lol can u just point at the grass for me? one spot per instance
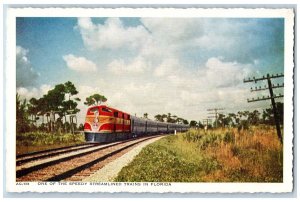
(36, 141)
(223, 155)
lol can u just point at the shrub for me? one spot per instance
(43, 138)
(228, 137)
(235, 150)
(221, 155)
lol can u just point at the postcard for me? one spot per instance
(149, 100)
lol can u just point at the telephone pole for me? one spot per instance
(271, 97)
(215, 112)
(206, 121)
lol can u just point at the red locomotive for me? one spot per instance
(105, 124)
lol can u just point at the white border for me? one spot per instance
(10, 100)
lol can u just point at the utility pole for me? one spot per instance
(215, 112)
(206, 122)
(271, 97)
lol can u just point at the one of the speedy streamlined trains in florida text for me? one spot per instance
(106, 124)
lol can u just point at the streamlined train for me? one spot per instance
(106, 124)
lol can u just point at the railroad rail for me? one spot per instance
(49, 153)
(79, 163)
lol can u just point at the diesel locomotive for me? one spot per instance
(106, 124)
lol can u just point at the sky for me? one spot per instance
(181, 66)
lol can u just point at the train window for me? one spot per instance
(93, 110)
(106, 109)
(115, 114)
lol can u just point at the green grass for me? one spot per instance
(36, 141)
(224, 155)
(167, 161)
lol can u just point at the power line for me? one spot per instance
(271, 97)
(215, 112)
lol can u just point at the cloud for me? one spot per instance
(136, 66)
(79, 64)
(111, 35)
(167, 67)
(174, 30)
(162, 65)
(153, 67)
(30, 92)
(171, 87)
(26, 75)
(168, 88)
(232, 73)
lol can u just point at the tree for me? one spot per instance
(185, 121)
(58, 101)
(95, 99)
(170, 118)
(221, 120)
(33, 108)
(146, 115)
(268, 116)
(193, 123)
(231, 119)
(158, 117)
(179, 120)
(22, 122)
(164, 117)
(55, 103)
(200, 125)
(70, 90)
(175, 119)
(253, 117)
(81, 127)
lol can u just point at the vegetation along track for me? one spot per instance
(65, 167)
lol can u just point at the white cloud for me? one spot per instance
(168, 87)
(225, 74)
(80, 64)
(173, 30)
(27, 93)
(148, 70)
(26, 75)
(168, 67)
(211, 41)
(111, 35)
(175, 89)
(86, 24)
(136, 66)
(30, 92)
(45, 88)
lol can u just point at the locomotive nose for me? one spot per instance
(87, 127)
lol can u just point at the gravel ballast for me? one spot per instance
(111, 170)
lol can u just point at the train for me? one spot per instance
(105, 124)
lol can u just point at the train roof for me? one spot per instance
(135, 117)
(110, 108)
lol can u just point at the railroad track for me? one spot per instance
(74, 165)
(24, 158)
